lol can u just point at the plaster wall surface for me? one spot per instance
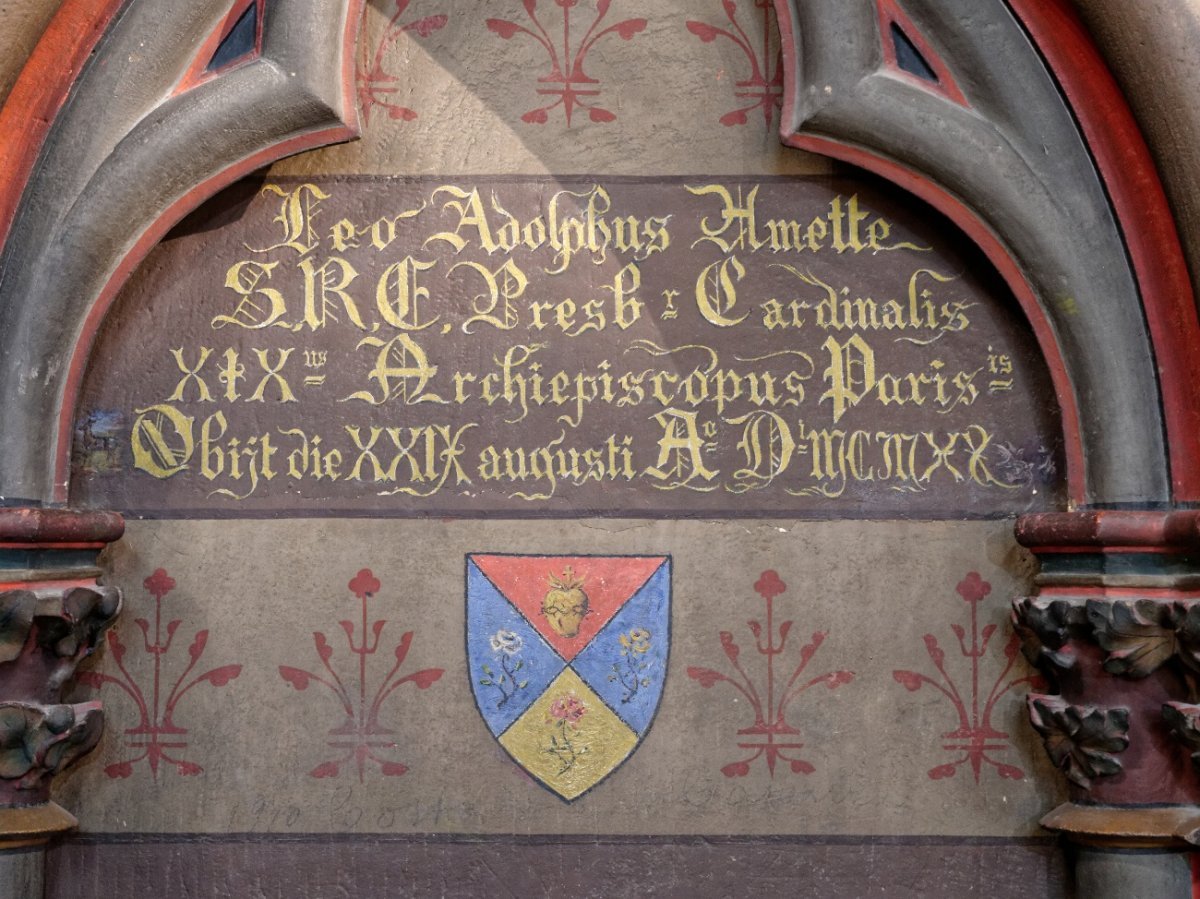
(871, 596)
(21, 24)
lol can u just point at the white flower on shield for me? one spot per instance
(507, 642)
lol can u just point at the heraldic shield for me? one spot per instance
(567, 657)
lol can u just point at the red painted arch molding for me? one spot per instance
(975, 228)
(1144, 216)
(41, 90)
(1139, 205)
(1112, 135)
(40, 93)
(157, 230)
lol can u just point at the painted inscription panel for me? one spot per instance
(566, 346)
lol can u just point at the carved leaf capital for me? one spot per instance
(1046, 627)
(1138, 634)
(65, 624)
(1183, 721)
(1082, 741)
(72, 629)
(38, 741)
(16, 620)
(1188, 634)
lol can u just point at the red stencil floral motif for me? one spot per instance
(770, 736)
(156, 734)
(361, 736)
(764, 86)
(566, 80)
(975, 737)
(375, 83)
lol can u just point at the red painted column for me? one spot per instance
(52, 615)
(1115, 628)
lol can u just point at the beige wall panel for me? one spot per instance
(466, 89)
(262, 590)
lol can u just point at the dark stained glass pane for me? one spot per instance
(239, 42)
(909, 58)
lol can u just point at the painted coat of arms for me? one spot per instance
(567, 657)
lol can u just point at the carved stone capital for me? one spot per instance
(1047, 627)
(1137, 634)
(1082, 741)
(1183, 720)
(45, 633)
(1115, 628)
(38, 741)
(52, 616)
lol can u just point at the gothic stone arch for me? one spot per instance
(1002, 116)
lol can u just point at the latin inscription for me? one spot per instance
(582, 346)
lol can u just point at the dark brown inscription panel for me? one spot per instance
(574, 346)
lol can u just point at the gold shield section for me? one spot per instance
(569, 739)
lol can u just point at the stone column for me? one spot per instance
(1115, 628)
(52, 613)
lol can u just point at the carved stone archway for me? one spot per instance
(1013, 128)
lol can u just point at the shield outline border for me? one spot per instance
(668, 559)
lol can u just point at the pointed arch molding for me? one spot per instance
(1045, 169)
(125, 157)
(1039, 161)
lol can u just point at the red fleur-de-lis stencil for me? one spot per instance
(361, 736)
(157, 738)
(566, 82)
(771, 736)
(376, 85)
(975, 739)
(762, 89)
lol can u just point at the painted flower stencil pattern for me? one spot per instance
(566, 81)
(157, 739)
(362, 736)
(376, 85)
(976, 740)
(772, 736)
(762, 88)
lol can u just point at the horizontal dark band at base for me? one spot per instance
(318, 865)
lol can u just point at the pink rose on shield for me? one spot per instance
(569, 709)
